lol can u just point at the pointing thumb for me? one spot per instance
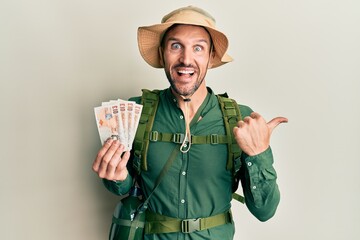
(273, 123)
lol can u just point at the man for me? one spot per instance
(198, 185)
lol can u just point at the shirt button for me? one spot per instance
(249, 164)
(183, 173)
(182, 201)
(254, 187)
(181, 117)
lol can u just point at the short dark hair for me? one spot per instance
(162, 38)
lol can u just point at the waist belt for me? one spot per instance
(156, 223)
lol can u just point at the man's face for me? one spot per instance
(186, 56)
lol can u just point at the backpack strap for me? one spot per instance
(231, 115)
(150, 101)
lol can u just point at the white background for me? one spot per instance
(60, 59)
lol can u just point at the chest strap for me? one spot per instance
(155, 136)
(156, 223)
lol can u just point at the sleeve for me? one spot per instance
(119, 187)
(258, 180)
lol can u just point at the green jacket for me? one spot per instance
(198, 184)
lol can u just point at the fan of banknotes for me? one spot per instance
(118, 119)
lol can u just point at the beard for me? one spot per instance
(186, 91)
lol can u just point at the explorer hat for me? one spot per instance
(150, 37)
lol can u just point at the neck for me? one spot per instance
(195, 100)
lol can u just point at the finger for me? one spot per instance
(240, 123)
(121, 170)
(275, 122)
(124, 160)
(255, 115)
(101, 154)
(247, 119)
(110, 155)
(114, 162)
(236, 131)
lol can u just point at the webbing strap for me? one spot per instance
(231, 115)
(127, 222)
(136, 224)
(156, 223)
(149, 100)
(238, 197)
(155, 136)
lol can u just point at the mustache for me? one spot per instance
(184, 65)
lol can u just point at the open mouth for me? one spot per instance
(185, 72)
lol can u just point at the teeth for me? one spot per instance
(186, 72)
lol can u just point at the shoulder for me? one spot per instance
(245, 110)
(136, 99)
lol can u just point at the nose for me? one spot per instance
(186, 56)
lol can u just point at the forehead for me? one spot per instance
(187, 32)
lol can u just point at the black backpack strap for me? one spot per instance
(150, 101)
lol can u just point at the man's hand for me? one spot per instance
(111, 160)
(252, 134)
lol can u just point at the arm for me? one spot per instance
(258, 180)
(111, 165)
(257, 174)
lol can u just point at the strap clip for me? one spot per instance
(190, 225)
(154, 136)
(178, 137)
(214, 139)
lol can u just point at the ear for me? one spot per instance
(161, 57)
(211, 58)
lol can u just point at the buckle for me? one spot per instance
(154, 136)
(178, 137)
(232, 119)
(214, 139)
(190, 225)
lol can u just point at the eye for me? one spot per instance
(198, 49)
(175, 46)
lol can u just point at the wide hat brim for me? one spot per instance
(149, 38)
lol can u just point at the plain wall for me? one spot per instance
(60, 59)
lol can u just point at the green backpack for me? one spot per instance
(231, 114)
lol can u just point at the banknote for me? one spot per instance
(107, 120)
(137, 114)
(118, 119)
(124, 123)
(130, 118)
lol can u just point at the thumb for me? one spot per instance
(273, 123)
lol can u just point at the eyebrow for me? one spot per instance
(174, 39)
